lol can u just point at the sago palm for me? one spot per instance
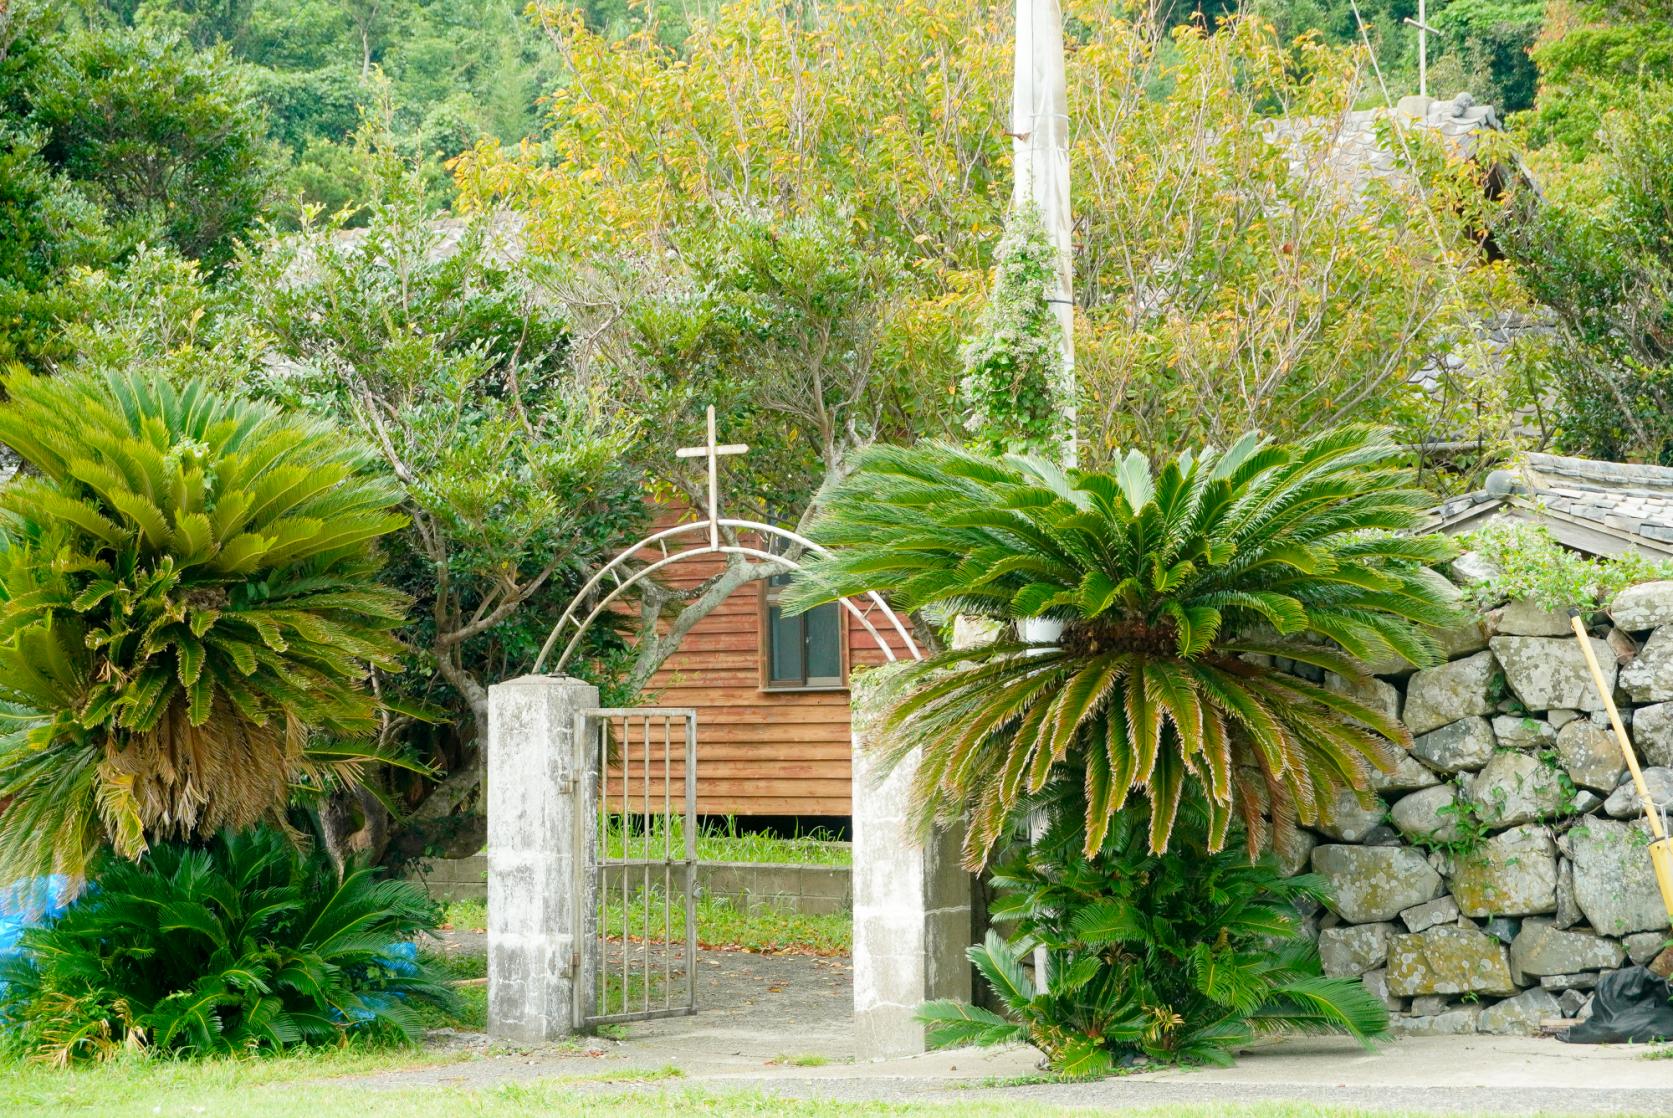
(1183, 958)
(1175, 587)
(188, 609)
(237, 946)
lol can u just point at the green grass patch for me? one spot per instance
(465, 916)
(720, 924)
(807, 1060)
(466, 973)
(723, 926)
(723, 841)
(329, 1085)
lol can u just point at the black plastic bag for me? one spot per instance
(1631, 1006)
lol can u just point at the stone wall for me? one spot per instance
(1504, 866)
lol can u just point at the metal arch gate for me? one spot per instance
(643, 958)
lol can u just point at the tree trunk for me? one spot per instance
(353, 826)
(463, 780)
(655, 648)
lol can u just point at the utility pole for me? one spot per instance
(1040, 159)
(1040, 170)
(1423, 30)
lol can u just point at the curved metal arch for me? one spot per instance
(714, 547)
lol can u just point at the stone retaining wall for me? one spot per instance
(1503, 867)
(816, 890)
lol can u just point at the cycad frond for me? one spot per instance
(227, 948)
(1175, 584)
(188, 594)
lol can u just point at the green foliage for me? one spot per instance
(437, 74)
(188, 596)
(1013, 366)
(1183, 958)
(1596, 56)
(440, 346)
(1223, 289)
(1488, 42)
(110, 140)
(1482, 50)
(788, 326)
(1469, 830)
(1217, 290)
(1598, 250)
(1530, 565)
(241, 946)
(47, 228)
(1172, 583)
(166, 138)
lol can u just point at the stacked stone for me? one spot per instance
(1515, 770)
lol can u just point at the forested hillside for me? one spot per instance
(301, 85)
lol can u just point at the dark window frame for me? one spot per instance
(770, 591)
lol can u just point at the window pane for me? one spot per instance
(824, 643)
(784, 641)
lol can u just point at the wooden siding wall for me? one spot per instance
(759, 752)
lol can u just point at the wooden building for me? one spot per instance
(771, 695)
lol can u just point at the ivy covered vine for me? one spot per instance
(1014, 361)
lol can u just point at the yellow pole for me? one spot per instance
(1661, 849)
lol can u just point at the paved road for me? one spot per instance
(764, 1014)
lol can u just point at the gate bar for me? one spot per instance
(603, 720)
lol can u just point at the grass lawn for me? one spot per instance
(764, 928)
(721, 925)
(324, 1085)
(722, 841)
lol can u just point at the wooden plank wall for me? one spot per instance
(759, 752)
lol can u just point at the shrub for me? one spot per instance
(1174, 586)
(1529, 564)
(245, 945)
(188, 605)
(1013, 367)
(1182, 958)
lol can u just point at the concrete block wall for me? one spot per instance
(453, 879)
(815, 890)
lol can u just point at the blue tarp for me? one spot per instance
(29, 903)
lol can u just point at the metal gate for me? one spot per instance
(644, 941)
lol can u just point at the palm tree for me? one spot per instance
(188, 609)
(1176, 587)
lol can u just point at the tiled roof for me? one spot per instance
(1351, 148)
(1604, 508)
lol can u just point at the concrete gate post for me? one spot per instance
(540, 848)
(912, 902)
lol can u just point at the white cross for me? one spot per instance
(712, 451)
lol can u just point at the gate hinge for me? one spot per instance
(569, 957)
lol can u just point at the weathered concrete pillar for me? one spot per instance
(540, 842)
(912, 901)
